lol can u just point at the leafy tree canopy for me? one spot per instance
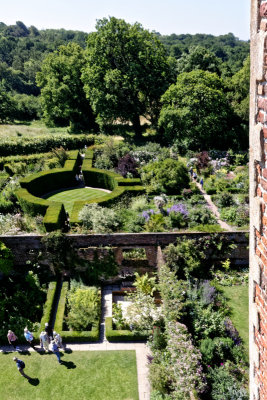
(196, 113)
(62, 95)
(126, 72)
(199, 58)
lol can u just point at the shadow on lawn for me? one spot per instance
(34, 381)
(68, 364)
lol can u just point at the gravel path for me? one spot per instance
(214, 209)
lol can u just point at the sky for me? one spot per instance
(216, 17)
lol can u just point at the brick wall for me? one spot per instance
(258, 201)
(26, 247)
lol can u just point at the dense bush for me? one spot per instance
(169, 176)
(98, 219)
(83, 304)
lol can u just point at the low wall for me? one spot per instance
(25, 247)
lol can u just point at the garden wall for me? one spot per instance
(27, 246)
(258, 201)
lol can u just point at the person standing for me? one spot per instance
(44, 341)
(49, 331)
(21, 366)
(58, 339)
(201, 183)
(29, 337)
(12, 340)
(55, 350)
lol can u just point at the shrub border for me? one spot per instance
(47, 309)
(121, 335)
(72, 336)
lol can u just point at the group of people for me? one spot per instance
(48, 337)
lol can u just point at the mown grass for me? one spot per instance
(68, 197)
(92, 375)
(237, 299)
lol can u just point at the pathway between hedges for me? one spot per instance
(214, 209)
(140, 348)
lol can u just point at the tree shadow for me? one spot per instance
(24, 352)
(68, 364)
(34, 381)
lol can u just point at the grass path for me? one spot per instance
(96, 375)
(68, 197)
(237, 299)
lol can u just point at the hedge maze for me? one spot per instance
(36, 186)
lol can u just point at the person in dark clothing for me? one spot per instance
(49, 331)
(21, 366)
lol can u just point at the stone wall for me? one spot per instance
(258, 201)
(26, 247)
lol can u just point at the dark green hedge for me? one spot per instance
(125, 335)
(55, 217)
(30, 204)
(128, 182)
(45, 143)
(99, 178)
(27, 159)
(48, 181)
(9, 169)
(72, 336)
(48, 308)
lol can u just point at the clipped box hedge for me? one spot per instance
(55, 217)
(99, 178)
(121, 335)
(45, 143)
(48, 181)
(48, 309)
(30, 204)
(72, 336)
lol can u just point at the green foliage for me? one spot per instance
(98, 219)
(6, 259)
(169, 176)
(156, 223)
(195, 113)
(7, 106)
(172, 292)
(55, 217)
(217, 350)
(44, 143)
(144, 283)
(47, 308)
(226, 385)
(83, 308)
(199, 58)
(123, 62)
(62, 94)
(115, 335)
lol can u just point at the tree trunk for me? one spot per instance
(137, 127)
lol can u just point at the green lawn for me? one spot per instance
(68, 197)
(91, 375)
(237, 299)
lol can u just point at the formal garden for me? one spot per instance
(90, 147)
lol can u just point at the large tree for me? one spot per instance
(126, 73)
(62, 94)
(199, 58)
(196, 113)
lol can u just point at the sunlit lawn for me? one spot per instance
(91, 375)
(237, 299)
(68, 197)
